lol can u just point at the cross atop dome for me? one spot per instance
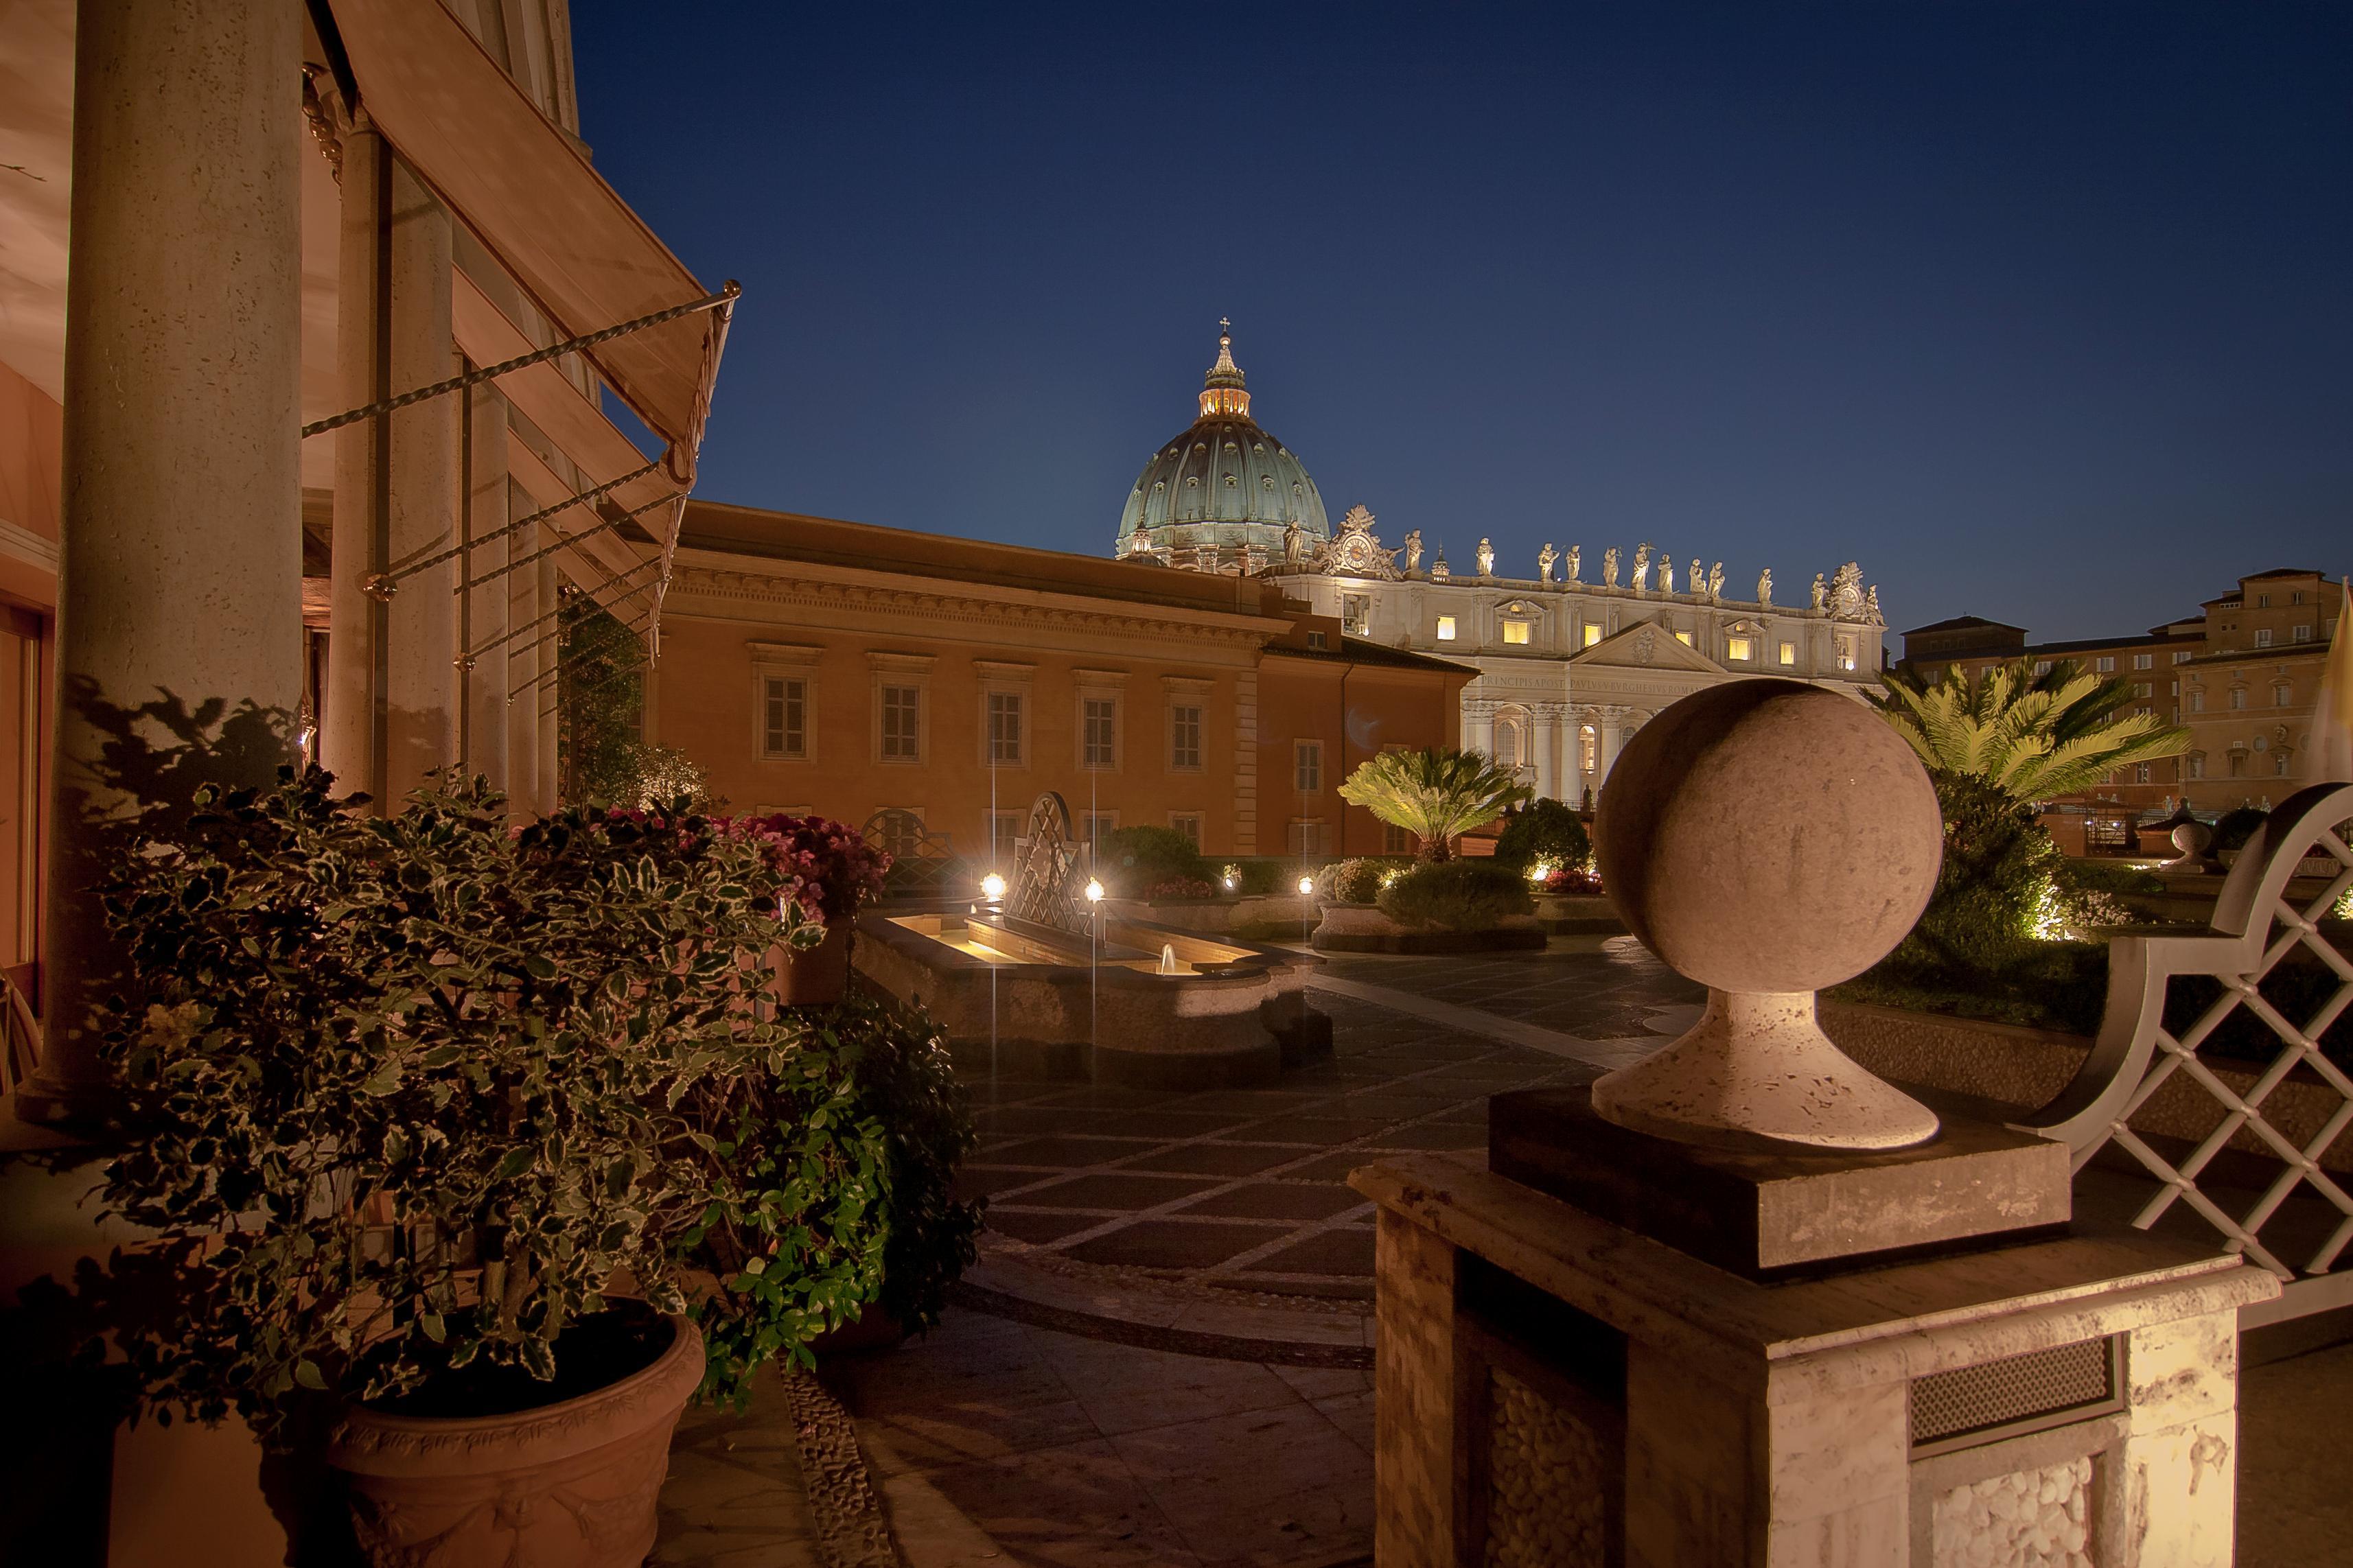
(1221, 389)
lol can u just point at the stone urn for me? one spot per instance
(570, 1485)
(817, 977)
(1767, 838)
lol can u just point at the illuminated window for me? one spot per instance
(1005, 728)
(1739, 648)
(1846, 653)
(783, 719)
(1307, 766)
(1355, 615)
(1588, 748)
(1515, 631)
(1788, 653)
(1684, 638)
(1098, 732)
(1592, 633)
(1446, 628)
(2042, 666)
(902, 711)
(1185, 737)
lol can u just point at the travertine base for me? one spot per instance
(1772, 1425)
(1757, 1065)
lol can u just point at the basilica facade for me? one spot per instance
(1575, 652)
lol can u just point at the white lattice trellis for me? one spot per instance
(1047, 880)
(2255, 926)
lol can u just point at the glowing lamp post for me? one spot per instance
(1306, 892)
(1094, 924)
(992, 889)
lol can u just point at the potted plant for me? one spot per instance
(1436, 793)
(409, 1112)
(827, 868)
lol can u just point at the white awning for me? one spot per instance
(527, 190)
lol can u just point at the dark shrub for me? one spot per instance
(1544, 830)
(1357, 881)
(1131, 860)
(1457, 895)
(2233, 828)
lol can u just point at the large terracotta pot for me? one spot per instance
(564, 1486)
(819, 977)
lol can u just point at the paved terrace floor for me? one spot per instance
(1245, 1188)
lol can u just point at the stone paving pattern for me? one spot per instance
(1246, 1188)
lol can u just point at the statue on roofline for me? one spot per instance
(1642, 567)
(1609, 567)
(1486, 559)
(1546, 558)
(1576, 565)
(1765, 586)
(1413, 550)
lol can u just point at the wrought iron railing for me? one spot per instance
(2257, 927)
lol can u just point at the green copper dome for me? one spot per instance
(1225, 483)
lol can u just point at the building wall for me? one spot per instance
(2249, 699)
(1349, 712)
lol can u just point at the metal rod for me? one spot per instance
(542, 620)
(602, 682)
(566, 658)
(523, 362)
(574, 539)
(542, 515)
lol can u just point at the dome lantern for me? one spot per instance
(1222, 390)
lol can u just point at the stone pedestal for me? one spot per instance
(1558, 1389)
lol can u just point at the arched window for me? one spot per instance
(1507, 742)
(1588, 748)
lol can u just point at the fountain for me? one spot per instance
(1042, 983)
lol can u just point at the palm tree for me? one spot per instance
(2029, 736)
(1434, 794)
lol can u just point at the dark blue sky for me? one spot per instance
(2041, 312)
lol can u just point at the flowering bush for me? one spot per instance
(1572, 880)
(1180, 887)
(825, 867)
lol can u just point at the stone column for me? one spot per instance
(180, 560)
(524, 764)
(391, 713)
(1478, 725)
(1544, 729)
(484, 609)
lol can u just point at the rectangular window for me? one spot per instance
(1185, 737)
(2262, 601)
(2296, 597)
(1593, 633)
(2300, 634)
(1307, 835)
(2238, 697)
(1846, 653)
(1684, 638)
(1738, 648)
(1318, 640)
(1446, 628)
(1188, 822)
(2042, 666)
(2140, 773)
(1003, 834)
(1307, 766)
(2183, 657)
(1515, 631)
(1099, 723)
(2141, 689)
(1788, 653)
(1093, 825)
(2105, 664)
(2196, 765)
(2144, 661)
(1396, 840)
(2282, 696)
(784, 718)
(1005, 728)
(2263, 636)
(902, 724)
(1355, 615)
(2279, 764)
(2198, 702)
(1588, 748)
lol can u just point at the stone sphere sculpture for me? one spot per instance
(1767, 838)
(2191, 842)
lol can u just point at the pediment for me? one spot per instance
(1645, 645)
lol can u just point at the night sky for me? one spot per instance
(2041, 312)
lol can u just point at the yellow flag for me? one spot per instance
(2328, 751)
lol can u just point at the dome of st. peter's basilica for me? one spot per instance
(1225, 484)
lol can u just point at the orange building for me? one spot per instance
(815, 665)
